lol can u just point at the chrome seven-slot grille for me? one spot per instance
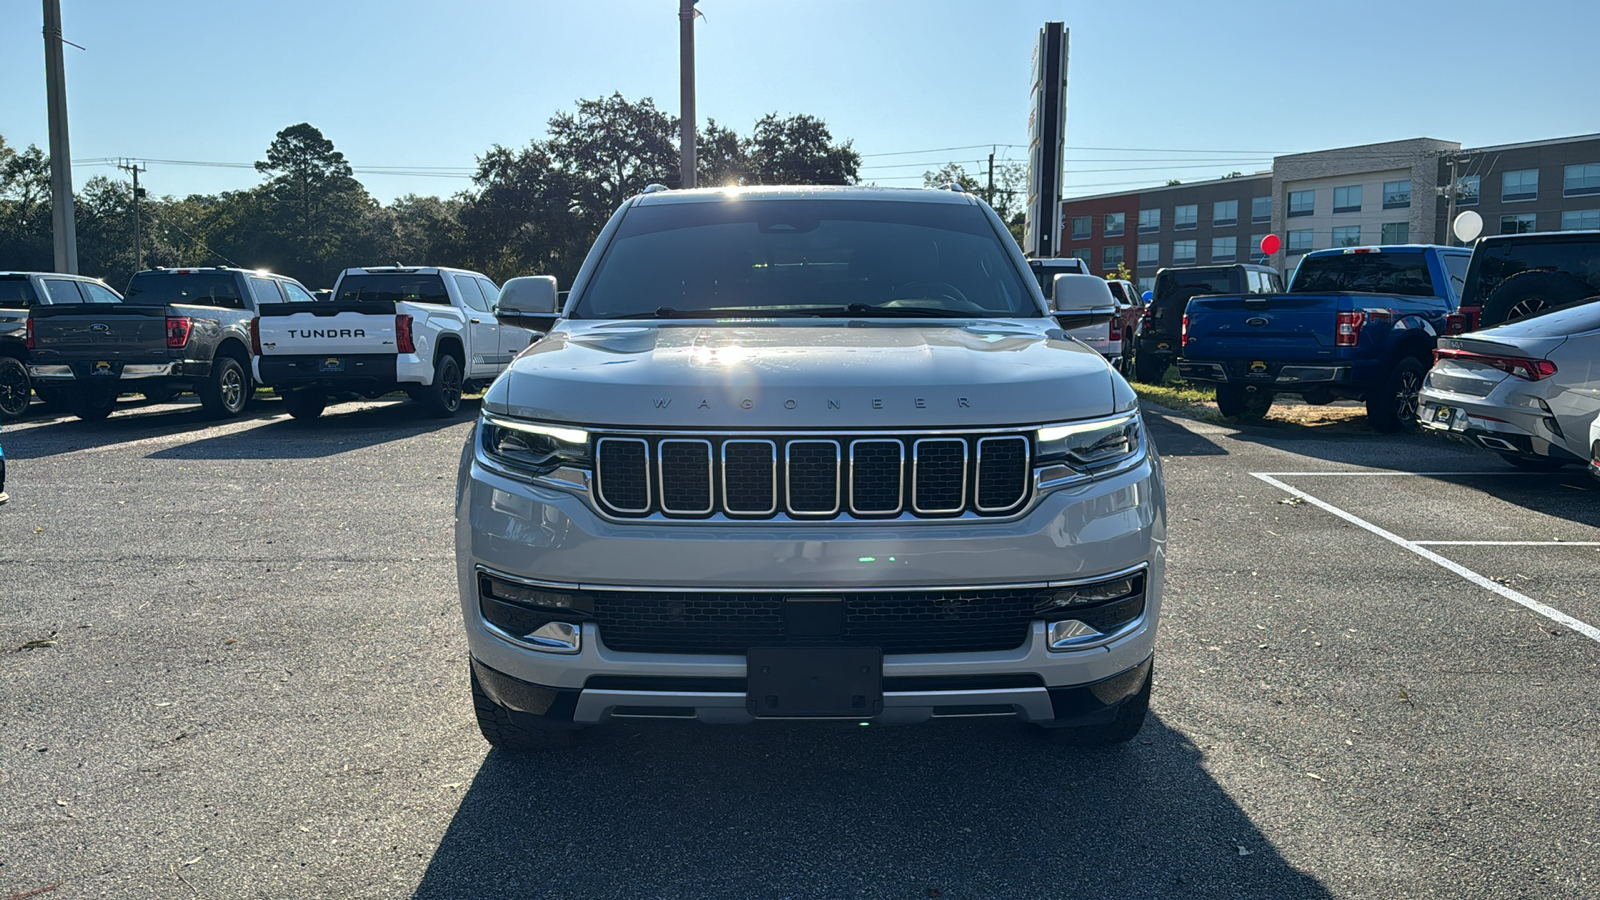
(812, 476)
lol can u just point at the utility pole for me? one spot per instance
(63, 220)
(990, 198)
(686, 118)
(129, 165)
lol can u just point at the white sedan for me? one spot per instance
(1528, 390)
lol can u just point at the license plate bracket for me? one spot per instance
(814, 682)
(331, 364)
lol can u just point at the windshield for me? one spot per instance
(1401, 274)
(803, 257)
(195, 288)
(393, 288)
(1192, 282)
(1573, 264)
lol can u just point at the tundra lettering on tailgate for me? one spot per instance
(328, 332)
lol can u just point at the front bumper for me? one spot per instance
(552, 536)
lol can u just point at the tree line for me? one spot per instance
(529, 210)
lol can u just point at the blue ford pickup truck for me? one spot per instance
(1357, 323)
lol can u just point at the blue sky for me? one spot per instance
(410, 83)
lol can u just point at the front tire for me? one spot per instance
(92, 404)
(514, 731)
(1392, 407)
(1239, 402)
(16, 389)
(225, 393)
(442, 398)
(305, 403)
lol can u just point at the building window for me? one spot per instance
(1397, 194)
(1261, 209)
(1081, 227)
(1302, 203)
(1186, 217)
(1147, 283)
(1224, 249)
(1522, 184)
(1519, 224)
(1467, 190)
(1581, 180)
(1183, 252)
(1111, 257)
(1225, 213)
(1347, 236)
(1580, 220)
(1149, 254)
(1300, 241)
(1149, 220)
(1396, 233)
(1347, 199)
(1255, 243)
(1083, 254)
(1114, 224)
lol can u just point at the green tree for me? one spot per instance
(799, 150)
(612, 149)
(952, 173)
(720, 157)
(315, 205)
(26, 236)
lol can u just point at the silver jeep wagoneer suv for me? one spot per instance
(815, 453)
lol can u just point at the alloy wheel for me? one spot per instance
(1525, 308)
(14, 390)
(232, 388)
(1406, 398)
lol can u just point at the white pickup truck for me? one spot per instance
(429, 331)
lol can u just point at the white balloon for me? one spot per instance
(1468, 226)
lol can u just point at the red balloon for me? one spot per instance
(1270, 245)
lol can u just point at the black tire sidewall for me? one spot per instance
(1382, 412)
(1555, 289)
(13, 366)
(212, 396)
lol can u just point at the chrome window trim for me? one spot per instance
(966, 460)
(599, 487)
(788, 477)
(766, 589)
(772, 447)
(1027, 468)
(661, 474)
(900, 483)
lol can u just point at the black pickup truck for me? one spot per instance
(20, 294)
(176, 330)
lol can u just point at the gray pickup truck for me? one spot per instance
(176, 330)
(20, 294)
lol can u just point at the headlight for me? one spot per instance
(1094, 447)
(533, 447)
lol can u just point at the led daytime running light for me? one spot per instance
(566, 435)
(1058, 432)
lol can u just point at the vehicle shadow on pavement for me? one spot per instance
(949, 809)
(339, 430)
(1172, 439)
(47, 433)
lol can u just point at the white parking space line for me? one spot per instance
(1507, 543)
(1495, 474)
(1554, 615)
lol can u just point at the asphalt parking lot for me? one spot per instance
(232, 666)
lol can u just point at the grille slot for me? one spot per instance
(898, 621)
(750, 477)
(875, 473)
(622, 474)
(939, 476)
(813, 482)
(863, 475)
(685, 477)
(1002, 473)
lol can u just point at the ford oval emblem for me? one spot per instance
(1257, 321)
(100, 326)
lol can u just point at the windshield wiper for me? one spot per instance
(911, 312)
(720, 312)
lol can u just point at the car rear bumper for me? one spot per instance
(1285, 376)
(1517, 431)
(114, 372)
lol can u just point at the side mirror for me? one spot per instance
(529, 302)
(1075, 294)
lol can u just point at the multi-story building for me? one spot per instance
(1395, 192)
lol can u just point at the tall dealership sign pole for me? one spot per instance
(686, 92)
(1047, 129)
(62, 217)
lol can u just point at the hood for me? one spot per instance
(859, 374)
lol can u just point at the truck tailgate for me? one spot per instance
(99, 332)
(1275, 326)
(306, 329)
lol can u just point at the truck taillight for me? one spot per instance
(30, 333)
(1116, 325)
(402, 334)
(1455, 323)
(255, 336)
(178, 328)
(1183, 335)
(1347, 331)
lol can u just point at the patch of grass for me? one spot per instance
(1198, 400)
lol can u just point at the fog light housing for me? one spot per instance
(1066, 633)
(533, 616)
(561, 637)
(1089, 614)
(532, 595)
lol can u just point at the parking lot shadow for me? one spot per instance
(1173, 439)
(47, 433)
(950, 809)
(339, 430)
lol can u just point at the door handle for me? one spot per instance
(477, 321)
